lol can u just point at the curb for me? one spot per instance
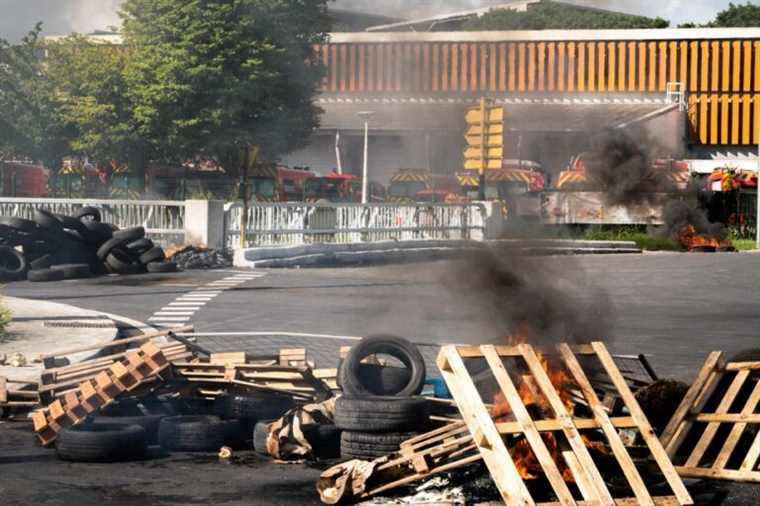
(394, 252)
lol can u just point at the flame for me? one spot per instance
(525, 460)
(690, 240)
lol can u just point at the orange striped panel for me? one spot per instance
(632, 66)
(602, 47)
(551, 66)
(642, 55)
(571, 63)
(592, 67)
(561, 66)
(541, 65)
(663, 66)
(621, 66)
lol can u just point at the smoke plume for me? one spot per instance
(538, 298)
(680, 214)
(620, 165)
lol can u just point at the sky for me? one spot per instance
(83, 16)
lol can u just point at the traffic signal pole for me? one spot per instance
(483, 151)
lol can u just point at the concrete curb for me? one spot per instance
(358, 254)
(29, 335)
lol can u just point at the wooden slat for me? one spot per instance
(571, 432)
(528, 428)
(582, 479)
(647, 433)
(712, 428)
(492, 447)
(725, 474)
(610, 431)
(750, 461)
(737, 430)
(739, 366)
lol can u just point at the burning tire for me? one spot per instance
(380, 414)
(368, 446)
(193, 433)
(352, 380)
(102, 442)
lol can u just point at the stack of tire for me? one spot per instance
(53, 247)
(380, 407)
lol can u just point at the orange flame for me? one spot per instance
(690, 240)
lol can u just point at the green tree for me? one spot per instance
(32, 119)
(548, 15)
(212, 77)
(738, 15)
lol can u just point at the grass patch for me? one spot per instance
(5, 318)
(636, 234)
(745, 244)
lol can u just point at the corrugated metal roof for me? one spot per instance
(558, 114)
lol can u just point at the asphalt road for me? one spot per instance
(675, 308)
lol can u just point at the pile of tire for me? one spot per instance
(380, 407)
(53, 247)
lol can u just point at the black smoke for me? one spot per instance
(679, 214)
(620, 165)
(544, 299)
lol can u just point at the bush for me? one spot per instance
(637, 234)
(5, 319)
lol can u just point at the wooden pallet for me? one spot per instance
(19, 396)
(736, 406)
(259, 378)
(138, 368)
(488, 436)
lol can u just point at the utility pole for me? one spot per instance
(365, 116)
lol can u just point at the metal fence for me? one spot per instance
(164, 221)
(298, 224)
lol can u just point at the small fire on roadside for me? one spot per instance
(539, 407)
(691, 240)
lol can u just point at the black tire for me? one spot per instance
(99, 233)
(324, 441)
(20, 224)
(155, 254)
(119, 260)
(107, 247)
(382, 380)
(74, 271)
(44, 275)
(381, 414)
(156, 267)
(397, 347)
(46, 219)
(43, 262)
(242, 406)
(260, 435)
(12, 262)
(149, 423)
(71, 223)
(140, 246)
(368, 446)
(102, 442)
(193, 433)
(89, 212)
(130, 234)
(195, 406)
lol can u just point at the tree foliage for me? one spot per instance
(738, 15)
(548, 15)
(212, 76)
(89, 79)
(32, 122)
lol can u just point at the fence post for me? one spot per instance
(204, 223)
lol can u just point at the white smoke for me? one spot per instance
(58, 17)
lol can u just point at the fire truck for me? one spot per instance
(517, 185)
(340, 188)
(421, 185)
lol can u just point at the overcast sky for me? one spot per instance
(65, 16)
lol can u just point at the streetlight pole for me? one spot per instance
(365, 116)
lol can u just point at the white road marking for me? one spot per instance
(188, 304)
(169, 318)
(174, 313)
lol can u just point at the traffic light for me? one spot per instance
(485, 137)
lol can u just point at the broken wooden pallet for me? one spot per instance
(138, 367)
(511, 367)
(239, 372)
(713, 454)
(18, 396)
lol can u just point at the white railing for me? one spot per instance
(163, 220)
(297, 224)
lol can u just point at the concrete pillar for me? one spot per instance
(204, 223)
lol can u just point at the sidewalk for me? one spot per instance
(44, 327)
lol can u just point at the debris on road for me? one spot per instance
(198, 257)
(54, 247)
